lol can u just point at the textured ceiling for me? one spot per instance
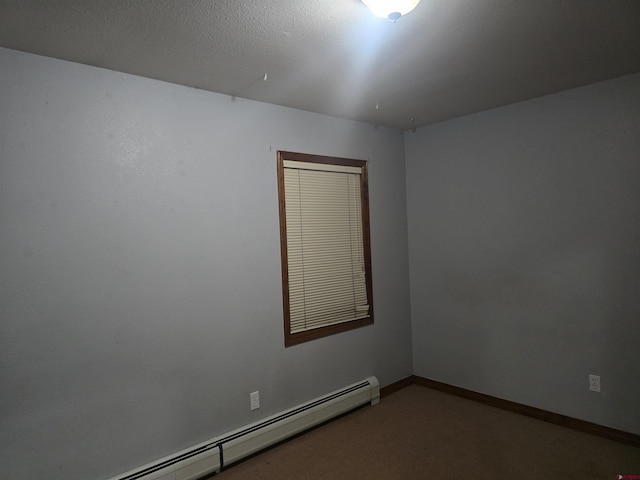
(445, 59)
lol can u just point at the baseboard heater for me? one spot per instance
(213, 455)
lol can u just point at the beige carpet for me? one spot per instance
(419, 433)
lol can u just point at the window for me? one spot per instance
(325, 245)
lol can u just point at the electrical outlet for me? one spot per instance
(594, 383)
(254, 400)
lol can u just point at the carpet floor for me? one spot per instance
(420, 433)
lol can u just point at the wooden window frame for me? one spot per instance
(291, 339)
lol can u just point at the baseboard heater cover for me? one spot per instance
(211, 456)
(189, 464)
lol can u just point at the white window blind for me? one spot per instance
(325, 254)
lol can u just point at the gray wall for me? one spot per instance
(140, 296)
(524, 249)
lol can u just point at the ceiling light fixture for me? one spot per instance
(391, 9)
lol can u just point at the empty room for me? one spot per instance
(319, 239)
